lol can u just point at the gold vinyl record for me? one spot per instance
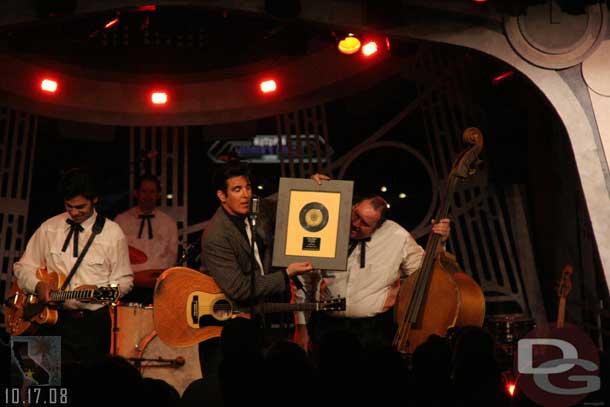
(313, 216)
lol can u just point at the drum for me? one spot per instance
(134, 337)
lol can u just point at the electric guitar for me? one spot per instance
(24, 313)
(189, 307)
(563, 289)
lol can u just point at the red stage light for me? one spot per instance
(510, 388)
(501, 77)
(369, 48)
(111, 23)
(268, 86)
(146, 8)
(48, 85)
(158, 98)
(480, 1)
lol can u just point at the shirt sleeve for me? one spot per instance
(221, 263)
(32, 259)
(412, 256)
(121, 273)
(173, 242)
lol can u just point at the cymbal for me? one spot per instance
(136, 256)
(146, 278)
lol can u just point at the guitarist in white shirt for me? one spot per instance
(85, 328)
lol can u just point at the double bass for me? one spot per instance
(440, 295)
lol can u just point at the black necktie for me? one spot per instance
(75, 229)
(352, 245)
(146, 218)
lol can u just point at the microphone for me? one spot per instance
(254, 208)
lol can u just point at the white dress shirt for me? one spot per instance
(391, 253)
(105, 263)
(162, 250)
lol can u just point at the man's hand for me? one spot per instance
(442, 228)
(319, 178)
(42, 291)
(296, 269)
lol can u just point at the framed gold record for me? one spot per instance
(312, 223)
(313, 216)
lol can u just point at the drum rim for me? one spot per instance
(510, 318)
(135, 305)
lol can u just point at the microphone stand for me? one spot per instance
(253, 271)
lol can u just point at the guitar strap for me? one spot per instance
(95, 230)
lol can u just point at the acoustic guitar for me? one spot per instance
(189, 307)
(563, 289)
(24, 314)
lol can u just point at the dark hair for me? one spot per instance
(230, 169)
(148, 177)
(379, 204)
(77, 181)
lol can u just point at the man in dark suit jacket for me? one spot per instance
(226, 251)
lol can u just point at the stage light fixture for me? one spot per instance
(369, 48)
(159, 98)
(349, 45)
(49, 85)
(268, 86)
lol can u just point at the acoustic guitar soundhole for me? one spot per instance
(222, 310)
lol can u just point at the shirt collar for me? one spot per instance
(138, 211)
(88, 224)
(234, 218)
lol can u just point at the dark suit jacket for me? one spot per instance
(225, 255)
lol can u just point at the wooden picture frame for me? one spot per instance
(313, 223)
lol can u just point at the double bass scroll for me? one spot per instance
(440, 295)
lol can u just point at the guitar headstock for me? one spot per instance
(465, 165)
(565, 282)
(333, 304)
(106, 294)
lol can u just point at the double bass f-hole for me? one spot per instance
(440, 295)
